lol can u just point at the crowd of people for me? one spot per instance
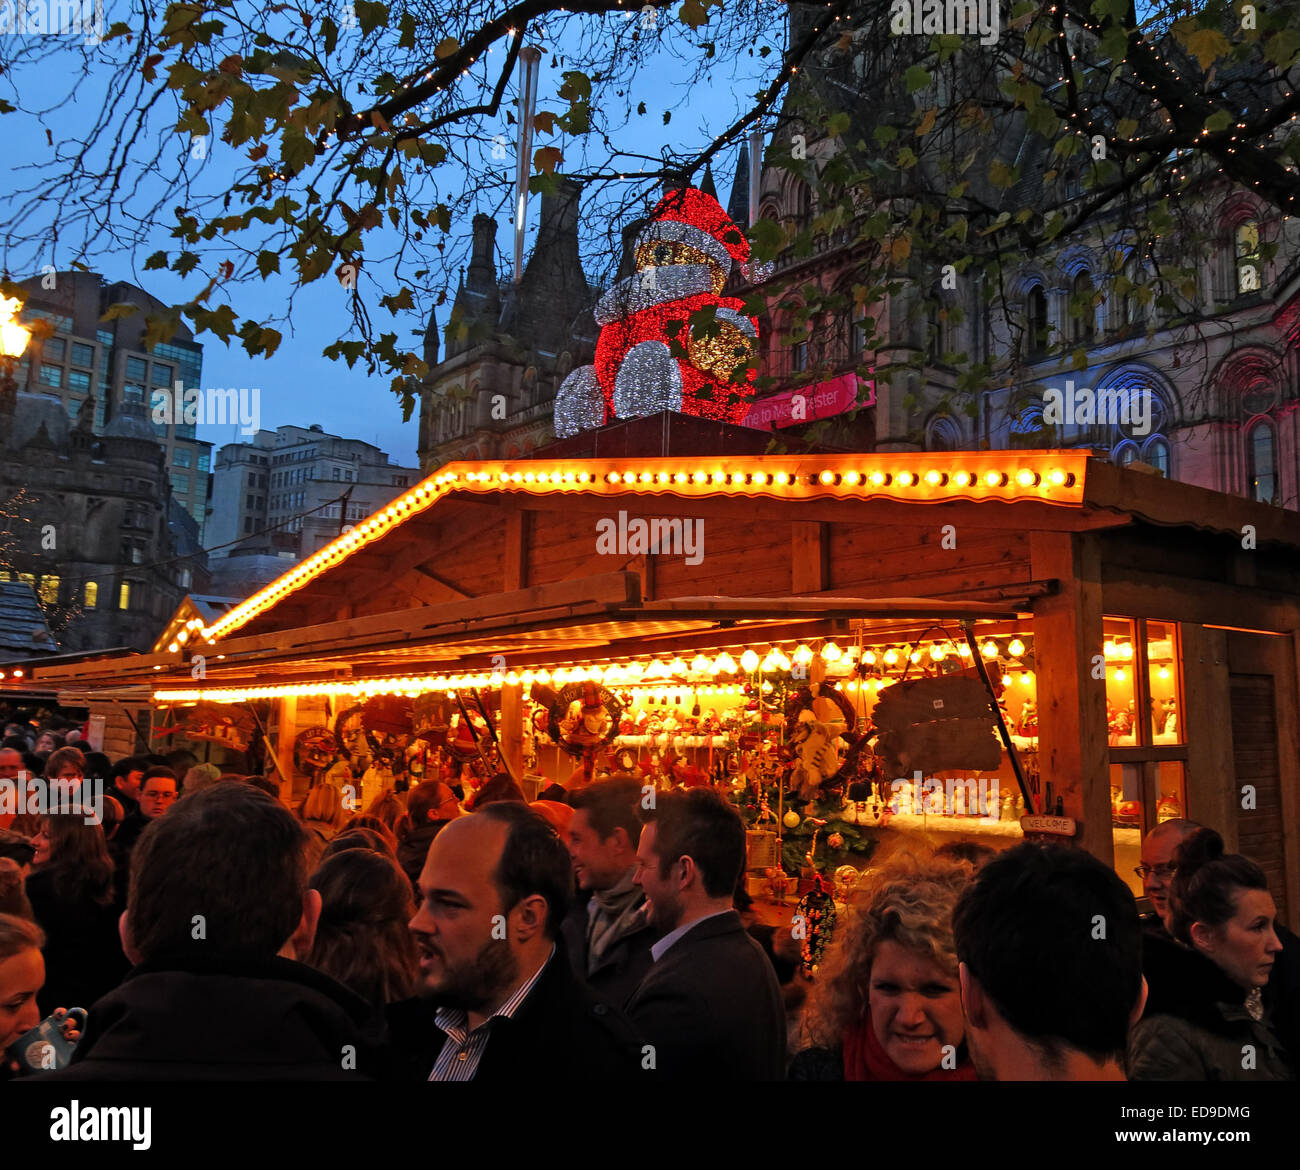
(212, 932)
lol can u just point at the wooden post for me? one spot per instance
(1207, 729)
(286, 729)
(511, 731)
(516, 550)
(1071, 702)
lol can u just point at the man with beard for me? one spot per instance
(710, 1007)
(500, 1001)
(1049, 952)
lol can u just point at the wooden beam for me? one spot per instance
(516, 549)
(425, 588)
(809, 570)
(1071, 702)
(1134, 593)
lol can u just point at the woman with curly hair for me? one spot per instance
(887, 1006)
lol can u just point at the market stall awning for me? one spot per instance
(595, 618)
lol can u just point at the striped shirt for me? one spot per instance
(463, 1049)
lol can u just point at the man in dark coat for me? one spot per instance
(218, 914)
(710, 1007)
(607, 933)
(500, 1002)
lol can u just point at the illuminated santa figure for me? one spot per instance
(683, 257)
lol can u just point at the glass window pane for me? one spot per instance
(83, 355)
(162, 375)
(1126, 821)
(78, 381)
(1171, 790)
(91, 595)
(1120, 664)
(1157, 455)
(124, 596)
(51, 376)
(1263, 465)
(49, 590)
(181, 457)
(1164, 680)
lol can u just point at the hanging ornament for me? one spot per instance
(791, 819)
(817, 911)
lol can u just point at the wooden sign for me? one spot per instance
(1054, 827)
(933, 724)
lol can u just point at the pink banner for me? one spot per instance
(820, 401)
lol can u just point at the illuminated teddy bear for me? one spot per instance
(683, 258)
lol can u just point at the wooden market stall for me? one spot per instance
(1141, 635)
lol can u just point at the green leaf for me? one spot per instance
(447, 47)
(1219, 120)
(916, 78)
(267, 262)
(837, 123)
(1001, 175)
(371, 15)
(407, 25)
(157, 260)
(1205, 44)
(119, 310)
(185, 263)
(576, 87)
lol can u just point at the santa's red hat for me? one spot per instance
(690, 216)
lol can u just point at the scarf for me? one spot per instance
(605, 913)
(866, 1060)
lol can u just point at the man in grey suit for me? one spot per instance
(710, 1006)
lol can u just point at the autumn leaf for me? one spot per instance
(544, 121)
(1205, 44)
(446, 48)
(927, 122)
(547, 159)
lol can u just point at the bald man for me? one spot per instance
(1157, 868)
(499, 1001)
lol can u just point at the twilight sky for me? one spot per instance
(299, 385)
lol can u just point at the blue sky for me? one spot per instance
(298, 385)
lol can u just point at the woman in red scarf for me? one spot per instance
(887, 1005)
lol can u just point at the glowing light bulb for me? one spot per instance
(869, 658)
(1026, 679)
(914, 657)
(749, 660)
(938, 653)
(1126, 650)
(1163, 673)
(989, 650)
(831, 652)
(891, 656)
(802, 654)
(725, 663)
(1017, 648)
(700, 664)
(1006, 680)
(1120, 674)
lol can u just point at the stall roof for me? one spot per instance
(1030, 490)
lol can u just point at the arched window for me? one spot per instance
(1156, 453)
(1082, 309)
(942, 434)
(1036, 321)
(802, 205)
(1125, 454)
(936, 331)
(1249, 268)
(1261, 463)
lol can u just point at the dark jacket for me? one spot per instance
(560, 1035)
(1282, 994)
(216, 1018)
(711, 1007)
(129, 804)
(83, 951)
(626, 959)
(414, 848)
(128, 832)
(1195, 1026)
